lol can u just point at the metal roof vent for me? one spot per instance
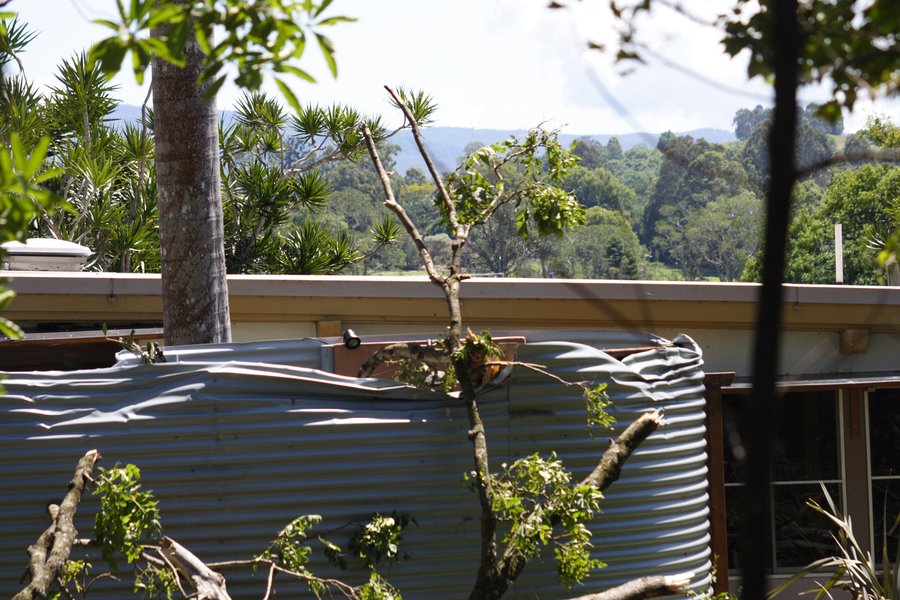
(40, 254)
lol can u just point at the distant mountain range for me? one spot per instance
(446, 144)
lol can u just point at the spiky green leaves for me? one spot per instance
(313, 250)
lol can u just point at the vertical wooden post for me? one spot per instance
(715, 450)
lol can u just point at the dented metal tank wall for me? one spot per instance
(236, 449)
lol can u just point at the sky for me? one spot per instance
(495, 64)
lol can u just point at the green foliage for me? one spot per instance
(312, 250)
(377, 588)
(485, 181)
(477, 348)
(596, 402)
(153, 583)
(883, 131)
(127, 518)
(725, 233)
(422, 374)
(865, 202)
(693, 174)
(75, 573)
(289, 549)
(23, 196)
(14, 37)
(813, 146)
(599, 187)
(376, 540)
(103, 174)
(258, 37)
(7, 327)
(150, 354)
(746, 120)
(419, 103)
(591, 153)
(537, 499)
(268, 177)
(380, 538)
(849, 45)
(495, 249)
(606, 247)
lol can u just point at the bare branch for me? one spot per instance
(882, 155)
(391, 203)
(645, 587)
(435, 176)
(51, 551)
(431, 355)
(270, 582)
(209, 584)
(620, 450)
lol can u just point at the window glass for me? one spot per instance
(806, 451)
(884, 458)
(806, 438)
(802, 535)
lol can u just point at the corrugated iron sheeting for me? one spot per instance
(305, 352)
(235, 450)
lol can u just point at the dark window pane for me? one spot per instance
(733, 516)
(732, 440)
(885, 508)
(806, 437)
(802, 535)
(884, 431)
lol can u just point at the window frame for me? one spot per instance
(853, 401)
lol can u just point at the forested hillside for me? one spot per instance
(300, 196)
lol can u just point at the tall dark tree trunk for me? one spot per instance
(194, 288)
(761, 408)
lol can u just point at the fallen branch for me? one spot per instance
(345, 589)
(209, 584)
(51, 550)
(644, 587)
(604, 474)
(432, 356)
(620, 449)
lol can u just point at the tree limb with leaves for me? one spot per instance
(127, 526)
(534, 496)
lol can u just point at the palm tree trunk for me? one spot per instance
(194, 288)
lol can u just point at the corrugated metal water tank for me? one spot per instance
(235, 448)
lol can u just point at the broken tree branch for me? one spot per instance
(644, 587)
(434, 357)
(209, 584)
(604, 474)
(51, 550)
(610, 466)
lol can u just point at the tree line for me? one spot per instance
(300, 197)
